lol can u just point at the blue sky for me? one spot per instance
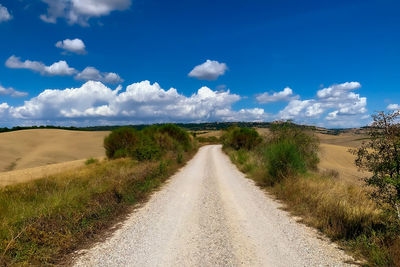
(327, 63)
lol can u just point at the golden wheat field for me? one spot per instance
(30, 154)
(334, 155)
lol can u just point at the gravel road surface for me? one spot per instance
(209, 214)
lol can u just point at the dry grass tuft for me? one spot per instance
(46, 219)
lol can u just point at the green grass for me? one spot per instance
(283, 159)
(43, 221)
(91, 161)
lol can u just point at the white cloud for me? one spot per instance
(393, 107)
(141, 102)
(75, 46)
(4, 14)
(3, 107)
(52, 104)
(336, 91)
(58, 68)
(254, 114)
(5, 117)
(61, 68)
(209, 70)
(11, 92)
(285, 95)
(295, 108)
(338, 100)
(153, 103)
(96, 104)
(80, 11)
(91, 73)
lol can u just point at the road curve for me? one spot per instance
(209, 214)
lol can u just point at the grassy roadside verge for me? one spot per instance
(46, 219)
(283, 165)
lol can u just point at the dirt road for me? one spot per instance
(209, 214)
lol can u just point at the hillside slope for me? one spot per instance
(32, 148)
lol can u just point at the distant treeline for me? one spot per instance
(189, 126)
(94, 128)
(206, 126)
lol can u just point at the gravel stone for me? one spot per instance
(209, 214)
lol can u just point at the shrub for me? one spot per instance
(146, 150)
(287, 152)
(120, 153)
(164, 141)
(283, 159)
(306, 143)
(241, 138)
(178, 134)
(120, 142)
(148, 144)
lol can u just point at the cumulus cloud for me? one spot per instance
(91, 73)
(61, 68)
(393, 107)
(3, 107)
(94, 103)
(337, 100)
(209, 70)
(336, 91)
(75, 46)
(141, 102)
(5, 117)
(90, 99)
(80, 11)
(4, 14)
(58, 68)
(252, 114)
(301, 108)
(11, 92)
(285, 95)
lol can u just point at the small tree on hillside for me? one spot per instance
(381, 156)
